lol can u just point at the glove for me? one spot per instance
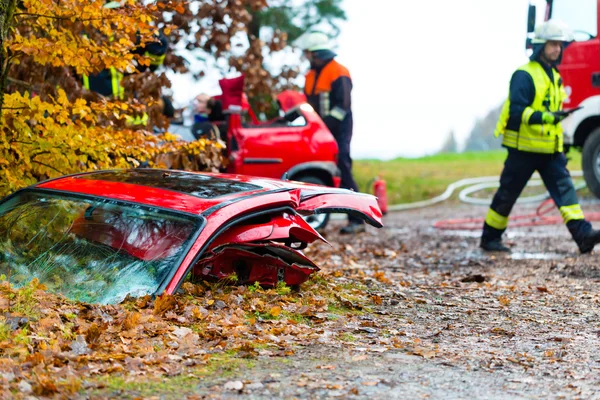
(333, 124)
(554, 117)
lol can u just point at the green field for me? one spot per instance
(414, 179)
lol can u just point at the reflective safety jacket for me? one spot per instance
(107, 83)
(328, 89)
(521, 124)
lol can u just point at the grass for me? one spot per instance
(415, 179)
(222, 365)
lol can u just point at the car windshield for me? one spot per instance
(88, 249)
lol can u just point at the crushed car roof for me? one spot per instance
(178, 190)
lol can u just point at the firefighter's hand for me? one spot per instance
(554, 117)
(333, 124)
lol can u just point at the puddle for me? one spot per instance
(536, 256)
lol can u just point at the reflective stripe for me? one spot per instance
(115, 78)
(338, 113)
(86, 82)
(573, 212)
(527, 113)
(544, 145)
(155, 59)
(137, 120)
(496, 220)
(324, 103)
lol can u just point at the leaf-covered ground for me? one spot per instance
(402, 312)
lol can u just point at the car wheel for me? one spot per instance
(316, 221)
(590, 162)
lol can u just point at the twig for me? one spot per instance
(19, 82)
(48, 166)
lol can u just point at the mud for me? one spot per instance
(452, 321)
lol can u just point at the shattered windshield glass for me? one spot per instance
(88, 249)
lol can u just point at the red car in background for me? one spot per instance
(101, 236)
(297, 146)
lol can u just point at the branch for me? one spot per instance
(19, 82)
(20, 141)
(61, 18)
(48, 166)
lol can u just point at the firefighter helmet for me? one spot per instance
(552, 30)
(313, 41)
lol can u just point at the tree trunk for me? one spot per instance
(253, 29)
(7, 9)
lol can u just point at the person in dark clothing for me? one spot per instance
(108, 81)
(532, 133)
(155, 50)
(328, 88)
(214, 123)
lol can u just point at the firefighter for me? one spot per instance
(108, 82)
(530, 123)
(328, 89)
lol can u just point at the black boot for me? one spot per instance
(583, 234)
(493, 245)
(352, 228)
(587, 242)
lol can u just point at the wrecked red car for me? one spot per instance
(102, 236)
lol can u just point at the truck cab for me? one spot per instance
(580, 70)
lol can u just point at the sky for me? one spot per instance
(424, 68)
(420, 69)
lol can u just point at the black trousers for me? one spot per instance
(343, 138)
(518, 169)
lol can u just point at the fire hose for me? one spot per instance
(539, 217)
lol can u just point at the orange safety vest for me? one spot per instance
(318, 86)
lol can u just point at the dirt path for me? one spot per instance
(450, 321)
(407, 311)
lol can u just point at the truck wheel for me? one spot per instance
(316, 221)
(590, 161)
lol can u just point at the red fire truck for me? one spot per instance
(580, 70)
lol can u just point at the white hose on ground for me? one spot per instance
(476, 184)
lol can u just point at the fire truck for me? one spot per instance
(580, 70)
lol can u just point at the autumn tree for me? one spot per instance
(50, 124)
(295, 18)
(266, 27)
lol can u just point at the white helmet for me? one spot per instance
(112, 4)
(552, 30)
(313, 41)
